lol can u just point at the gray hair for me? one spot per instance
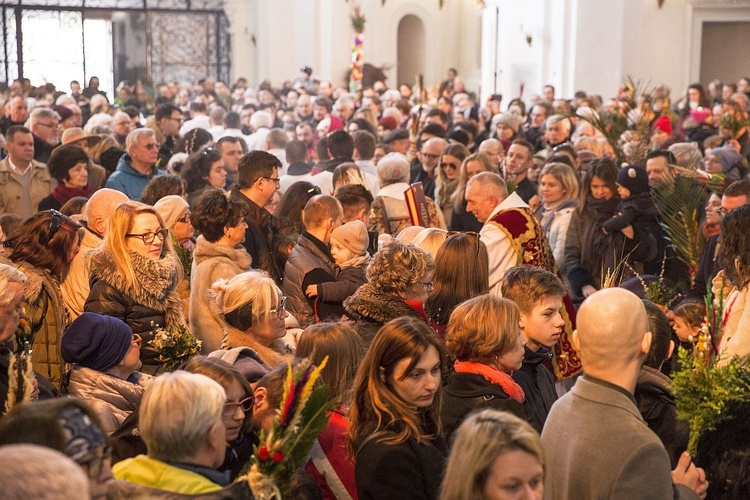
(135, 135)
(393, 168)
(34, 471)
(9, 274)
(42, 113)
(559, 119)
(489, 181)
(261, 119)
(177, 413)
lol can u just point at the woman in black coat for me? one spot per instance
(484, 335)
(585, 242)
(394, 418)
(134, 275)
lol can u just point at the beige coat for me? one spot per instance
(75, 289)
(112, 398)
(12, 194)
(211, 262)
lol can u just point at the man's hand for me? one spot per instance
(691, 476)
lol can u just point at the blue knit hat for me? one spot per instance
(96, 341)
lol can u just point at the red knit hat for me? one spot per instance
(664, 124)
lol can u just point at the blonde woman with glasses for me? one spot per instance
(253, 311)
(134, 275)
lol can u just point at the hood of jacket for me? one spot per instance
(534, 359)
(205, 250)
(125, 166)
(373, 305)
(154, 286)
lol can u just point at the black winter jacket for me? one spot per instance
(152, 299)
(410, 470)
(658, 408)
(468, 392)
(538, 385)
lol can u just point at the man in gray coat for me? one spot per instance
(596, 443)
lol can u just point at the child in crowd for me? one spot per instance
(349, 249)
(653, 390)
(636, 209)
(688, 318)
(539, 297)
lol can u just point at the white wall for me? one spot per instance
(590, 45)
(292, 33)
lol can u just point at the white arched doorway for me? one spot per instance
(411, 49)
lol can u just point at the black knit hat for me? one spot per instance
(634, 178)
(96, 341)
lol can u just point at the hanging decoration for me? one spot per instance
(357, 65)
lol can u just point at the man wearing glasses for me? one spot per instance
(169, 119)
(424, 172)
(45, 125)
(258, 179)
(138, 166)
(24, 182)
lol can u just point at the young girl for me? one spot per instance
(349, 249)
(688, 318)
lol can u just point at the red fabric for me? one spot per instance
(525, 231)
(62, 193)
(332, 441)
(419, 309)
(494, 376)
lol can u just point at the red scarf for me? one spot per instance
(63, 193)
(494, 376)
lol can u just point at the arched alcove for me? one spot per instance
(411, 49)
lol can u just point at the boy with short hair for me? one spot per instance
(539, 296)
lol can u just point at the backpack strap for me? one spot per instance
(371, 437)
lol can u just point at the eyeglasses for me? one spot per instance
(150, 146)
(452, 166)
(473, 234)
(246, 405)
(429, 285)
(55, 223)
(50, 125)
(430, 156)
(274, 179)
(280, 309)
(95, 464)
(180, 120)
(148, 238)
(137, 340)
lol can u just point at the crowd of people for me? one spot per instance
(454, 263)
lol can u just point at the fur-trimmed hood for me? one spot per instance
(375, 306)
(204, 250)
(156, 281)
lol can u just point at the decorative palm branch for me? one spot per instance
(613, 124)
(301, 417)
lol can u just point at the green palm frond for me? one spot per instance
(678, 207)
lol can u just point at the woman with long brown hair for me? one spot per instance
(395, 432)
(461, 273)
